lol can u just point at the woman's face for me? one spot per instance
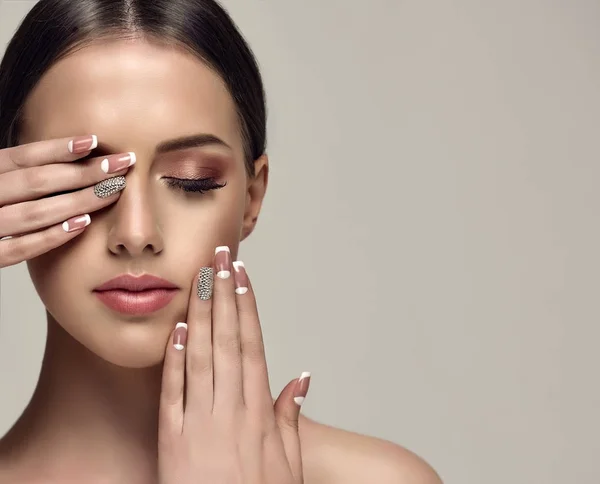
(136, 96)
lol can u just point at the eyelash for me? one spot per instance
(197, 185)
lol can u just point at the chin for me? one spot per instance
(130, 345)
(139, 344)
(130, 356)
(123, 340)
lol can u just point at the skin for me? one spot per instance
(94, 411)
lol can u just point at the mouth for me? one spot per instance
(142, 295)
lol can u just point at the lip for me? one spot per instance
(129, 282)
(139, 295)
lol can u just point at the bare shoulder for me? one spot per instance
(337, 456)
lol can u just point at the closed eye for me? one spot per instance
(197, 185)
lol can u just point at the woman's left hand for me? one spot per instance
(224, 428)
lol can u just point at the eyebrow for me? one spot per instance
(194, 141)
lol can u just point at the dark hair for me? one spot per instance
(55, 28)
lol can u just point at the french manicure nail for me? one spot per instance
(223, 262)
(114, 163)
(76, 223)
(109, 187)
(81, 144)
(241, 278)
(301, 388)
(180, 336)
(205, 283)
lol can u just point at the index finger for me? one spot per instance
(38, 153)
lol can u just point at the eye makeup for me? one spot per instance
(192, 176)
(198, 185)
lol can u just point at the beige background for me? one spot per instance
(429, 244)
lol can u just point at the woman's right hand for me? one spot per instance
(35, 216)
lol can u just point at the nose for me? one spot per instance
(135, 230)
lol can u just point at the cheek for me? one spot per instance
(53, 274)
(192, 229)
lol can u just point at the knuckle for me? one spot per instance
(35, 181)
(12, 252)
(87, 172)
(288, 422)
(171, 397)
(226, 296)
(32, 214)
(204, 312)
(17, 155)
(248, 308)
(227, 343)
(253, 350)
(199, 362)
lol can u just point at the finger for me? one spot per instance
(28, 217)
(287, 412)
(257, 392)
(199, 363)
(40, 181)
(21, 248)
(45, 152)
(227, 358)
(170, 415)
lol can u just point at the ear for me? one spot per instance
(255, 195)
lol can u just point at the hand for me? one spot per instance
(31, 222)
(224, 428)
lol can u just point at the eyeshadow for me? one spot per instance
(192, 170)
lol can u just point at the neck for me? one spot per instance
(88, 417)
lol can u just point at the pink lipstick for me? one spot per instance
(128, 294)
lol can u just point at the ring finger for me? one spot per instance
(257, 392)
(17, 249)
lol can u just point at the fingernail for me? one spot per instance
(114, 163)
(76, 223)
(301, 387)
(180, 336)
(110, 186)
(81, 144)
(223, 262)
(241, 278)
(205, 283)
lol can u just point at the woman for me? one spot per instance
(132, 164)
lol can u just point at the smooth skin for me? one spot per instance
(244, 438)
(94, 415)
(30, 224)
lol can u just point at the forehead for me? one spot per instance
(130, 88)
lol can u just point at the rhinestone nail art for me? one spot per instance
(205, 283)
(109, 187)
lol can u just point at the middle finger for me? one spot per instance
(226, 335)
(39, 181)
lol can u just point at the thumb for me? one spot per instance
(287, 405)
(287, 412)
